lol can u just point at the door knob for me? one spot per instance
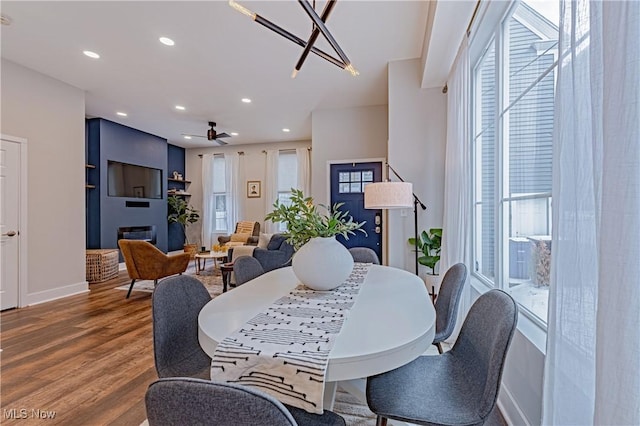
(9, 234)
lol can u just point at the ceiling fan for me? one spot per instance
(212, 135)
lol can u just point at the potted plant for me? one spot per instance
(320, 262)
(429, 245)
(184, 214)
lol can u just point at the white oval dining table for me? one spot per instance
(391, 323)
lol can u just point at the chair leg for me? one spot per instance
(381, 421)
(130, 288)
(439, 345)
(155, 282)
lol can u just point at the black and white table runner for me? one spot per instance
(284, 350)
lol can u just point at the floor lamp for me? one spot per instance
(394, 195)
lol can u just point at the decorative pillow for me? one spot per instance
(236, 238)
(245, 227)
(276, 241)
(264, 239)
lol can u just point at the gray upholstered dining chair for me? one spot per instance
(364, 255)
(175, 305)
(246, 268)
(459, 387)
(184, 401)
(448, 301)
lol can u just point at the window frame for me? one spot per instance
(499, 35)
(220, 194)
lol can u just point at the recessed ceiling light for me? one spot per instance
(187, 137)
(234, 133)
(246, 100)
(5, 19)
(286, 130)
(166, 41)
(92, 55)
(121, 114)
(180, 107)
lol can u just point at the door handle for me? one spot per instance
(10, 234)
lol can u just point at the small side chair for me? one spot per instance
(246, 268)
(175, 306)
(447, 303)
(459, 387)
(187, 401)
(364, 255)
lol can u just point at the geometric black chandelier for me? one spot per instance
(319, 27)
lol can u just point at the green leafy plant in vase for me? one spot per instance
(304, 221)
(182, 213)
(320, 262)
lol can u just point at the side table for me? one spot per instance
(226, 269)
(215, 255)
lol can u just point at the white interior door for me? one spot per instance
(9, 222)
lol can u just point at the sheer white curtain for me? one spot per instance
(455, 223)
(271, 188)
(304, 170)
(592, 366)
(455, 227)
(234, 178)
(208, 207)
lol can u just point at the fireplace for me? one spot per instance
(145, 233)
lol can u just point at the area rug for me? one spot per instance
(211, 278)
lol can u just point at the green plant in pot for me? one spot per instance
(429, 246)
(182, 213)
(320, 262)
(305, 222)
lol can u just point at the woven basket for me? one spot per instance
(102, 265)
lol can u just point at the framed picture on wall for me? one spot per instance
(253, 189)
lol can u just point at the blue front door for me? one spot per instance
(347, 186)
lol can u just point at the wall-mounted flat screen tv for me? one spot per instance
(129, 180)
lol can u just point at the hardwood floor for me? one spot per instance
(88, 358)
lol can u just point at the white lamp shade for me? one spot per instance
(388, 195)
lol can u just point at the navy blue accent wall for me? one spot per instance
(176, 163)
(124, 144)
(92, 140)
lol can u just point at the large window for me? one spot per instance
(514, 87)
(219, 194)
(287, 179)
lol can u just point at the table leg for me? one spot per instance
(225, 280)
(329, 395)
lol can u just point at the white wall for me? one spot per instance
(50, 114)
(345, 134)
(254, 169)
(417, 136)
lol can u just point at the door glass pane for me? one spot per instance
(344, 188)
(367, 176)
(355, 177)
(344, 176)
(355, 187)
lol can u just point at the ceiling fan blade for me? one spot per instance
(193, 136)
(219, 142)
(222, 135)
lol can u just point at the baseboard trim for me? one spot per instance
(57, 293)
(509, 409)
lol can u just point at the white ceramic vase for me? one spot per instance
(322, 263)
